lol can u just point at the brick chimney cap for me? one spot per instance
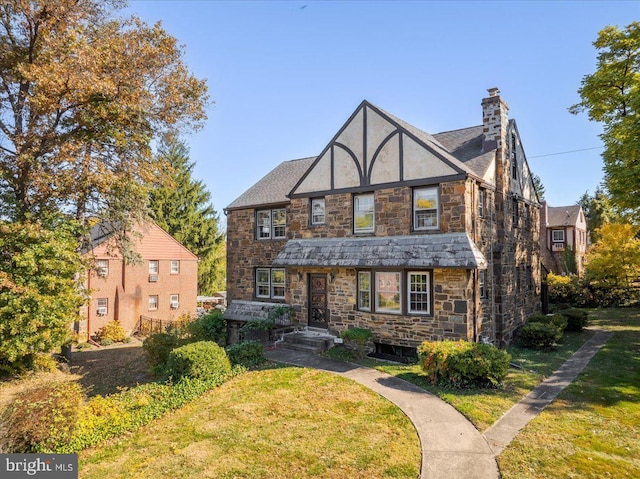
(493, 91)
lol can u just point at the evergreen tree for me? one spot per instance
(182, 206)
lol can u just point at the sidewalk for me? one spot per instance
(451, 446)
(505, 429)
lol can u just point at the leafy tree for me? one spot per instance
(82, 95)
(611, 95)
(539, 186)
(614, 261)
(598, 211)
(182, 206)
(39, 290)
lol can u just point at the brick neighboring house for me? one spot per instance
(415, 236)
(164, 285)
(563, 231)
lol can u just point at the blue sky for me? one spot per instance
(284, 76)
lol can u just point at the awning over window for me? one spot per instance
(448, 250)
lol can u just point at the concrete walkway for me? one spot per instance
(451, 446)
(505, 429)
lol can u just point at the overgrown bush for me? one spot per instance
(463, 364)
(357, 339)
(209, 327)
(40, 417)
(201, 360)
(113, 332)
(246, 353)
(586, 292)
(157, 348)
(538, 335)
(558, 321)
(576, 319)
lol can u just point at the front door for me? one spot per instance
(318, 312)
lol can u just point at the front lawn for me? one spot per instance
(285, 422)
(483, 407)
(592, 430)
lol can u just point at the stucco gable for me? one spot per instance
(374, 148)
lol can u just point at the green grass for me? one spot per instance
(284, 422)
(485, 406)
(592, 430)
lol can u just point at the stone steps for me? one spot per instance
(309, 341)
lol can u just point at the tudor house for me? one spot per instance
(163, 284)
(415, 236)
(563, 238)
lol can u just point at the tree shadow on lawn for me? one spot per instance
(107, 370)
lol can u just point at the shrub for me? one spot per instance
(576, 319)
(157, 348)
(357, 340)
(209, 327)
(201, 360)
(463, 364)
(558, 321)
(246, 353)
(538, 335)
(113, 332)
(40, 416)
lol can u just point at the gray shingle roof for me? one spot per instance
(275, 186)
(562, 215)
(466, 145)
(448, 250)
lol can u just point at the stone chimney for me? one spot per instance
(495, 117)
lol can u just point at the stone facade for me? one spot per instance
(498, 212)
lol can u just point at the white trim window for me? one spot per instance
(482, 283)
(317, 211)
(482, 199)
(102, 267)
(388, 292)
(419, 292)
(175, 266)
(270, 283)
(364, 213)
(154, 266)
(153, 302)
(426, 206)
(557, 236)
(102, 306)
(364, 290)
(174, 301)
(271, 224)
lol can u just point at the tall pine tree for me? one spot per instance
(182, 206)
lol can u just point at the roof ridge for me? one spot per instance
(457, 129)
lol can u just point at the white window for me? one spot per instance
(317, 211)
(174, 301)
(175, 266)
(271, 223)
(482, 280)
(277, 283)
(153, 266)
(364, 290)
(270, 283)
(514, 158)
(103, 306)
(388, 297)
(425, 209)
(363, 213)
(419, 292)
(102, 267)
(557, 236)
(482, 196)
(153, 302)
(262, 282)
(515, 213)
